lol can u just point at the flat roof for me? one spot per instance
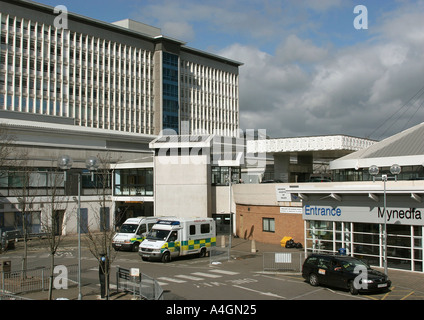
(120, 26)
(405, 149)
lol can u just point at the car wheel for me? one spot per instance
(352, 288)
(166, 257)
(202, 253)
(135, 246)
(313, 280)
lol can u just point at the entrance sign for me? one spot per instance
(364, 214)
(282, 194)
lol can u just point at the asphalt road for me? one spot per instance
(191, 278)
(240, 277)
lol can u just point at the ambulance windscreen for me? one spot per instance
(158, 234)
(128, 228)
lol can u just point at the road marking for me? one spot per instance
(171, 280)
(207, 275)
(411, 293)
(231, 273)
(269, 294)
(188, 277)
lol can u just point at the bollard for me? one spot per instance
(222, 241)
(253, 247)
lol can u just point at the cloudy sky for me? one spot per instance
(307, 69)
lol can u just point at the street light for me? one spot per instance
(65, 163)
(373, 170)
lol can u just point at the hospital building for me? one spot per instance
(93, 109)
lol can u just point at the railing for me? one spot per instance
(8, 296)
(290, 262)
(142, 286)
(30, 280)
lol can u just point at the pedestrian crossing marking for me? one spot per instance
(207, 275)
(230, 273)
(189, 277)
(171, 280)
(194, 276)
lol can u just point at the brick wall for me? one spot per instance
(249, 221)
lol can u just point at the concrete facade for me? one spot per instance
(111, 76)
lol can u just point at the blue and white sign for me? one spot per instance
(364, 214)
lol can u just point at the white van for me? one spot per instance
(174, 237)
(132, 233)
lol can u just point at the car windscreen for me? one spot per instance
(350, 265)
(128, 228)
(157, 234)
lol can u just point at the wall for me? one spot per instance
(182, 188)
(257, 201)
(249, 224)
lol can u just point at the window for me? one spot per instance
(134, 182)
(205, 228)
(142, 229)
(192, 230)
(268, 224)
(220, 176)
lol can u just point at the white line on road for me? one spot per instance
(189, 277)
(171, 280)
(207, 275)
(269, 294)
(231, 273)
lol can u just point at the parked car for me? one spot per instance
(344, 272)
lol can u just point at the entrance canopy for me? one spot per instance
(307, 151)
(405, 149)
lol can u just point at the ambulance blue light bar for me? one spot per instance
(169, 222)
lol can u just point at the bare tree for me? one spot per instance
(100, 242)
(53, 217)
(7, 159)
(7, 149)
(23, 179)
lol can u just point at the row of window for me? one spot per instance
(407, 173)
(127, 182)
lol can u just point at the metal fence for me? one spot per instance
(8, 296)
(217, 254)
(142, 286)
(30, 280)
(290, 262)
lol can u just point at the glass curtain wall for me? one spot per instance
(365, 240)
(170, 101)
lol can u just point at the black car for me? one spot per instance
(343, 272)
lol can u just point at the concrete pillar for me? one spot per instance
(306, 162)
(281, 167)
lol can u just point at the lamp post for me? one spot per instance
(65, 163)
(394, 170)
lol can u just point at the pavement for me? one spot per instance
(412, 281)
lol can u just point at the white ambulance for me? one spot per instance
(174, 237)
(132, 233)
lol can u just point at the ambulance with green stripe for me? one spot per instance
(174, 237)
(132, 233)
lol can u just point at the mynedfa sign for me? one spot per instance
(368, 214)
